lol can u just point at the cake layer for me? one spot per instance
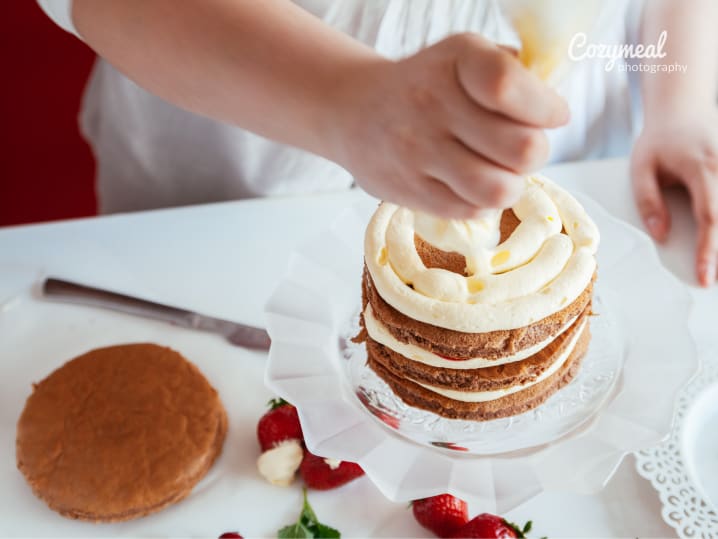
(462, 345)
(380, 334)
(501, 377)
(119, 432)
(418, 396)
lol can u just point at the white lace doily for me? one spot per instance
(684, 505)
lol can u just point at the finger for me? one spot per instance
(474, 178)
(649, 199)
(704, 194)
(707, 254)
(497, 80)
(513, 51)
(517, 147)
(433, 196)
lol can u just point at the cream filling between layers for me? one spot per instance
(382, 335)
(483, 396)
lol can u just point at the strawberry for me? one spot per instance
(325, 474)
(450, 358)
(230, 535)
(443, 514)
(490, 526)
(280, 423)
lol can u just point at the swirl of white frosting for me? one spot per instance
(545, 264)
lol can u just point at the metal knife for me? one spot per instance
(235, 333)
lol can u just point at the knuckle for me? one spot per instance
(500, 82)
(466, 40)
(471, 186)
(484, 191)
(532, 150)
(708, 213)
(496, 194)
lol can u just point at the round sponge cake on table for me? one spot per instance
(480, 319)
(119, 432)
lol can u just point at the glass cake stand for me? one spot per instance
(564, 412)
(621, 401)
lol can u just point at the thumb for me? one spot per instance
(649, 200)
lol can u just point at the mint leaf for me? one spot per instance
(308, 526)
(295, 531)
(323, 531)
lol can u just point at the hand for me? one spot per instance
(681, 149)
(448, 130)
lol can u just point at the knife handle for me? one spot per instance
(97, 297)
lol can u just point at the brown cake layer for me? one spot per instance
(119, 432)
(481, 379)
(461, 345)
(418, 396)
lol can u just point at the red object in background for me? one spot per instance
(46, 169)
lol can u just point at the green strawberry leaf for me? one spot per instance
(295, 531)
(276, 403)
(520, 533)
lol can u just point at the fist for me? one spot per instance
(449, 130)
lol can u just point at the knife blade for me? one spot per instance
(235, 333)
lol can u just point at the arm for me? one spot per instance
(447, 130)
(245, 63)
(679, 142)
(691, 41)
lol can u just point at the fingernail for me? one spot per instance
(654, 226)
(707, 273)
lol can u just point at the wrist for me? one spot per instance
(670, 97)
(677, 107)
(348, 106)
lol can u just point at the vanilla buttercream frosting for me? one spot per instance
(543, 266)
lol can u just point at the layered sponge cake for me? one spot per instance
(480, 319)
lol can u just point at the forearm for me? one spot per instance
(267, 66)
(691, 41)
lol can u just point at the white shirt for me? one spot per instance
(151, 153)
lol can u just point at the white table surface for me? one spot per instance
(224, 260)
